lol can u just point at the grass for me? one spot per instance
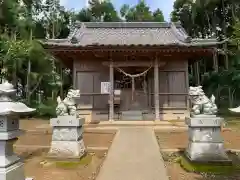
(232, 122)
(85, 160)
(209, 168)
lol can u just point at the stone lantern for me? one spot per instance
(11, 166)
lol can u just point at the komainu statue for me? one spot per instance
(201, 104)
(68, 105)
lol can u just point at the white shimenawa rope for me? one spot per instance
(134, 76)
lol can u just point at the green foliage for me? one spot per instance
(46, 109)
(206, 18)
(140, 12)
(105, 11)
(236, 36)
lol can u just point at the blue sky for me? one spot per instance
(165, 5)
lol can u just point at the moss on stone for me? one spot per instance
(85, 160)
(207, 168)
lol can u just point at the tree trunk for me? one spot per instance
(14, 69)
(225, 47)
(28, 86)
(209, 24)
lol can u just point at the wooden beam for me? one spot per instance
(133, 49)
(132, 63)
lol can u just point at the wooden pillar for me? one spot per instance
(111, 98)
(74, 76)
(215, 61)
(156, 89)
(187, 84)
(197, 73)
(62, 80)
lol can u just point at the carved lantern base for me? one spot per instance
(11, 166)
(205, 140)
(67, 141)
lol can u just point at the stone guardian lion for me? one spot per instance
(201, 104)
(68, 105)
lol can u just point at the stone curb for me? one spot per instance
(36, 146)
(103, 130)
(181, 129)
(88, 130)
(181, 149)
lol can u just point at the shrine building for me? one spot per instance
(130, 70)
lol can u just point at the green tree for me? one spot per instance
(158, 16)
(140, 12)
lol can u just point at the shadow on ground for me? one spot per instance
(27, 154)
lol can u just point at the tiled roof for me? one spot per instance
(128, 34)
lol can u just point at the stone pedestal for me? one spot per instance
(11, 167)
(67, 141)
(205, 140)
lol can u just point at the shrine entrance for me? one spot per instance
(133, 82)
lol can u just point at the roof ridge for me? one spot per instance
(181, 36)
(125, 24)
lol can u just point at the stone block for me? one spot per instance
(212, 135)
(132, 115)
(8, 160)
(206, 152)
(13, 172)
(67, 149)
(9, 123)
(67, 133)
(10, 134)
(205, 140)
(203, 116)
(204, 122)
(7, 156)
(67, 121)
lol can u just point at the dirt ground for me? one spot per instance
(28, 147)
(90, 139)
(31, 124)
(31, 138)
(179, 139)
(174, 139)
(176, 172)
(33, 166)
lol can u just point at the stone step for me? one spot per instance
(135, 123)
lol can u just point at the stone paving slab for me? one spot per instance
(134, 155)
